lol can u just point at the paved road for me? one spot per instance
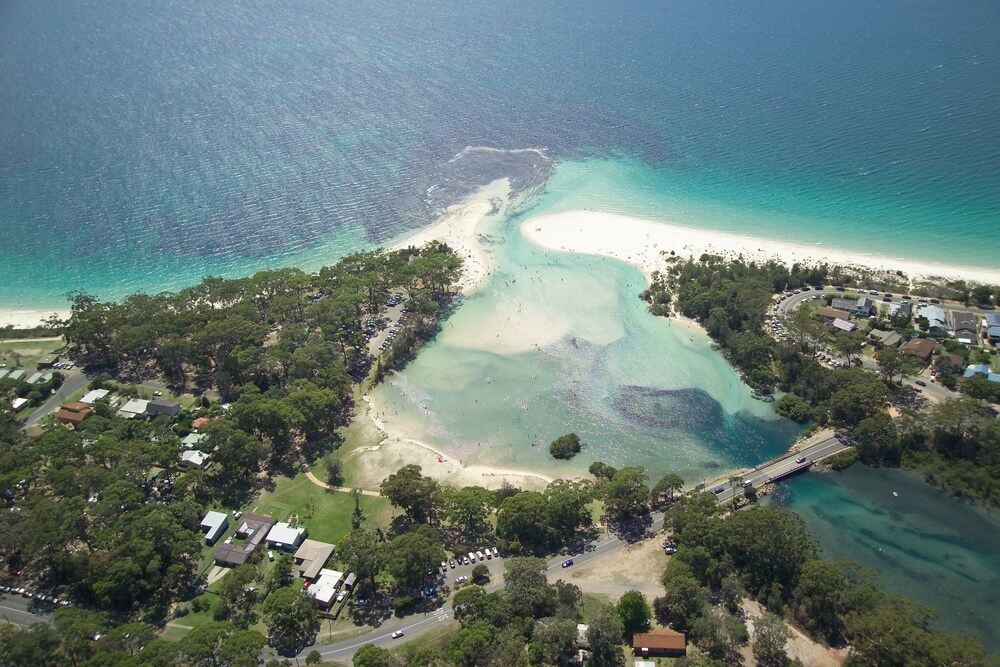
(74, 381)
(784, 465)
(15, 609)
(414, 626)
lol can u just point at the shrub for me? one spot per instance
(565, 446)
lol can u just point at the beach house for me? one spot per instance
(214, 525)
(663, 642)
(963, 327)
(311, 557)
(285, 536)
(991, 325)
(162, 406)
(73, 414)
(921, 348)
(935, 318)
(133, 409)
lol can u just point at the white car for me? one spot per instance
(341, 596)
(479, 554)
(496, 552)
(461, 580)
(397, 634)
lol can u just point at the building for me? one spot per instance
(191, 440)
(73, 413)
(828, 313)
(285, 536)
(920, 348)
(192, 458)
(17, 374)
(884, 338)
(162, 406)
(135, 407)
(901, 309)
(214, 525)
(963, 328)
(844, 325)
(349, 581)
(983, 370)
(252, 528)
(844, 304)
(199, 422)
(3, 373)
(659, 643)
(644, 663)
(324, 589)
(311, 557)
(47, 362)
(934, 316)
(865, 307)
(991, 325)
(34, 377)
(581, 635)
(94, 395)
(19, 404)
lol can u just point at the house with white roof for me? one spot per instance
(214, 525)
(935, 318)
(94, 395)
(191, 440)
(192, 458)
(136, 407)
(285, 536)
(324, 589)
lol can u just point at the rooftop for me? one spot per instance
(94, 395)
(285, 534)
(311, 556)
(660, 639)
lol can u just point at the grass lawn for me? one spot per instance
(26, 355)
(436, 638)
(326, 514)
(592, 603)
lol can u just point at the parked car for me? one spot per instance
(480, 556)
(341, 596)
(452, 564)
(461, 580)
(567, 562)
(496, 552)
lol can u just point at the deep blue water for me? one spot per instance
(144, 143)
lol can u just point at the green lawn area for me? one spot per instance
(327, 515)
(26, 355)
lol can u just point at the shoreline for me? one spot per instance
(21, 318)
(642, 242)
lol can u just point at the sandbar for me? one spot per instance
(643, 242)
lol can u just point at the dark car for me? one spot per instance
(801, 459)
(921, 383)
(567, 562)
(718, 489)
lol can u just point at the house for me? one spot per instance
(829, 313)
(252, 528)
(324, 589)
(865, 307)
(311, 557)
(214, 525)
(884, 338)
(844, 325)
(161, 406)
(19, 404)
(661, 642)
(981, 369)
(94, 395)
(991, 325)
(33, 378)
(285, 536)
(844, 304)
(901, 309)
(192, 440)
(16, 374)
(192, 458)
(952, 360)
(963, 328)
(73, 413)
(135, 407)
(200, 421)
(47, 362)
(934, 316)
(920, 348)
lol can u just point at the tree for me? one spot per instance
(412, 492)
(683, 602)
(601, 471)
(565, 446)
(626, 495)
(468, 510)
(553, 642)
(527, 588)
(410, 556)
(469, 645)
(524, 518)
(668, 485)
(314, 657)
(237, 594)
(370, 655)
(480, 572)
(770, 637)
(890, 362)
(604, 635)
(568, 600)
(878, 440)
(362, 552)
(218, 644)
(634, 612)
(721, 635)
(334, 470)
(292, 619)
(281, 573)
(567, 506)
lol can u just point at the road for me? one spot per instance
(782, 466)
(15, 609)
(414, 626)
(73, 381)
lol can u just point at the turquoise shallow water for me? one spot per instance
(145, 144)
(556, 343)
(923, 543)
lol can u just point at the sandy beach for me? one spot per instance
(642, 243)
(26, 319)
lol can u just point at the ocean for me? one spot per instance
(146, 144)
